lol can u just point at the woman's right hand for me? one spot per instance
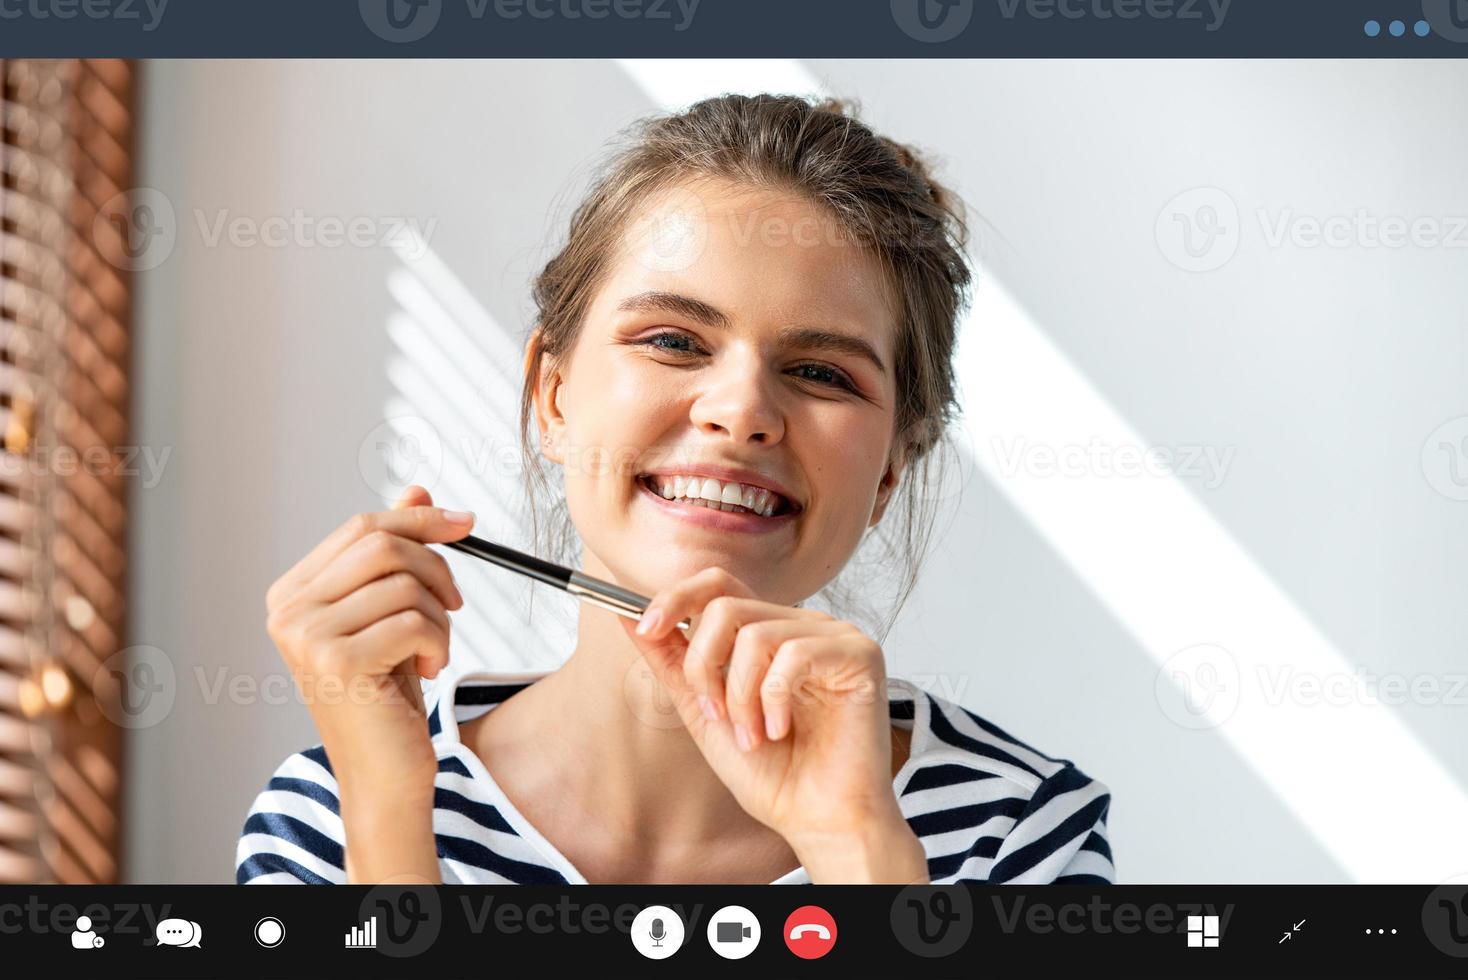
(359, 620)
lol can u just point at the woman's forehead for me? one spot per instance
(751, 252)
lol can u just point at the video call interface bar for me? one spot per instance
(798, 931)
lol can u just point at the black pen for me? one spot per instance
(623, 602)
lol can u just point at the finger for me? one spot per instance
(418, 522)
(664, 657)
(383, 553)
(846, 664)
(713, 639)
(379, 599)
(753, 652)
(413, 496)
(686, 598)
(391, 640)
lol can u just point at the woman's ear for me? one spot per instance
(896, 462)
(548, 417)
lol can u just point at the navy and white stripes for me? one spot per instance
(986, 807)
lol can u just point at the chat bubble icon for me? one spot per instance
(179, 932)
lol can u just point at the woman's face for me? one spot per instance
(737, 338)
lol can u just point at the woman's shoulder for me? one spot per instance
(989, 806)
(293, 832)
(947, 732)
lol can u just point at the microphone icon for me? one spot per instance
(656, 932)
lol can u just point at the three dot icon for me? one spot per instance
(1397, 28)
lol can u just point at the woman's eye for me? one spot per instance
(670, 342)
(676, 338)
(826, 376)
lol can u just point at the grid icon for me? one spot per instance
(1202, 930)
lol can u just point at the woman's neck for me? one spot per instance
(621, 743)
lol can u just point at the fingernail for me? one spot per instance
(770, 728)
(458, 517)
(742, 738)
(649, 622)
(707, 707)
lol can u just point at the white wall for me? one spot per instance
(1324, 370)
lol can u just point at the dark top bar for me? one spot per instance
(735, 28)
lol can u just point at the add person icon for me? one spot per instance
(84, 937)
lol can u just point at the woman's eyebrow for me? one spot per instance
(808, 338)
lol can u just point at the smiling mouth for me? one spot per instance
(733, 498)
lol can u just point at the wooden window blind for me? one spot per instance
(65, 153)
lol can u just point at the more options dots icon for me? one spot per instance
(810, 932)
(657, 932)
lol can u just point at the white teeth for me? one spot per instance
(715, 494)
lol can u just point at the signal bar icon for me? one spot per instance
(363, 936)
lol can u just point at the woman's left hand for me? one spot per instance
(799, 728)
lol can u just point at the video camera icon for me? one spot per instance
(733, 932)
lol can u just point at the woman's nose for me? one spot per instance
(741, 404)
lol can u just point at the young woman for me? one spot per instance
(742, 360)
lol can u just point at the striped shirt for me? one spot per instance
(986, 807)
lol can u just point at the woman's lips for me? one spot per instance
(721, 520)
